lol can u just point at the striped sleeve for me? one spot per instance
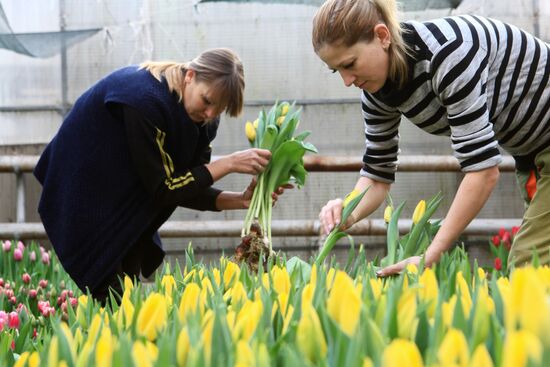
(459, 78)
(381, 139)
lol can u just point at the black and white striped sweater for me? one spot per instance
(481, 81)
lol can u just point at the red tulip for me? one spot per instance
(498, 263)
(26, 278)
(501, 232)
(507, 240)
(1, 282)
(515, 230)
(496, 240)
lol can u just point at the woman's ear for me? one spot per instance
(189, 75)
(382, 33)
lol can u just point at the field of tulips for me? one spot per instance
(453, 314)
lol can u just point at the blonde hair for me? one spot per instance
(350, 21)
(220, 68)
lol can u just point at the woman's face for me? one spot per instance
(364, 65)
(199, 99)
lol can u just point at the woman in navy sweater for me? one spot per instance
(480, 81)
(134, 147)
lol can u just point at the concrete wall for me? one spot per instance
(274, 44)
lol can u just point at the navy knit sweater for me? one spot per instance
(96, 201)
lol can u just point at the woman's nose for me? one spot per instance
(347, 77)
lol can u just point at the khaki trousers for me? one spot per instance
(534, 234)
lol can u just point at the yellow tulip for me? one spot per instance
(256, 123)
(68, 335)
(206, 335)
(190, 303)
(310, 337)
(313, 275)
(526, 304)
(152, 316)
(349, 197)
(250, 131)
(34, 359)
(481, 274)
(104, 349)
(407, 321)
(183, 346)
(419, 211)
(84, 354)
(95, 328)
(411, 269)
(280, 120)
(521, 347)
(284, 108)
(281, 280)
(484, 308)
(307, 295)
(230, 274)
(447, 310)
(237, 294)
(141, 356)
(401, 353)
(168, 283)
(330, 278)
(481, 357)
(125, 313)
(543, 274)
(245, 355)
(387, 213)
(344, 303)
(376, 287)
(262, 353)
(81, 311)
(22, 360)
(429, 290)
(247, 319)
(128, 283)
(216, 274)
(53, 352)
(453, 350)
(367, 362)
(465, 297)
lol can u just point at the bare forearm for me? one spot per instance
(472, 194)
(228, 200)
(373, 197)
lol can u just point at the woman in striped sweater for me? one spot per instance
(480, 81)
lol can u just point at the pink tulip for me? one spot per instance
(33, 293)
(17, 254)
(43, 283)
(20, 246)
(46, 258)
(1, 282)
(26, 278)
(6, 246)
(32, 256)
(13, 300)
(2, 323)
(13, 320)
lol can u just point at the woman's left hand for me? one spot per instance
(249, 191)
(398, 267)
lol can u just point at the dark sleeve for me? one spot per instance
(169, 185)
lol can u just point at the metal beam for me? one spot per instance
(313, 163)
(280, 228)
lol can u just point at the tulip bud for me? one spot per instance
(17, 254)
(284, 109)
(419, 211)
(250, 131)
(32, 256)
(43, 283)
(498, 264)
(6, 246)
(496, 240)
(349, 197)
(280, 120)
(26, 278)
(387, 213)
(32, 293)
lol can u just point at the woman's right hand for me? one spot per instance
(251, 161)
(330, 215)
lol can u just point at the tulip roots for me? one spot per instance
(253, 249)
